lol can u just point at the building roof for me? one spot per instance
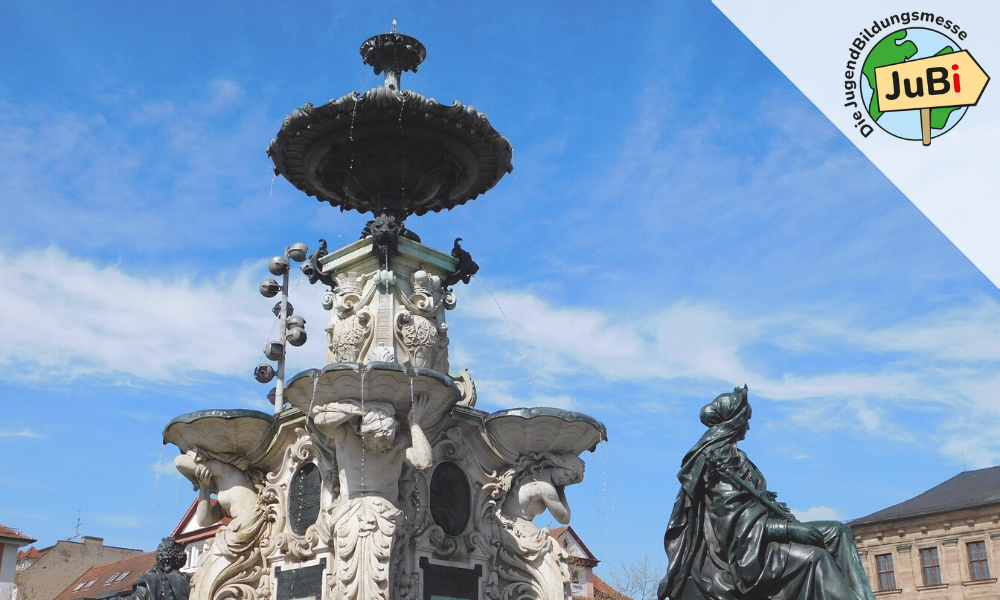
(109, 579)
(9, 533)
(969, 489)
(31, 552)
(187, 529)
(603, 591)
(559, 531)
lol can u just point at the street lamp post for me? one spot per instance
(292, 328)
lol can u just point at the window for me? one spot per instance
(886, 575)
(90, 583)
(123, 575)
(110, 579)
(979, 566)
(930, 566)
(77, 588)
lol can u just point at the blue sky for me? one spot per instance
(680, 220)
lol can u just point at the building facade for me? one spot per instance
(581, 562)
(941, 545)
(10, 540)
(110, 580)
(196, 539)
(62, 564)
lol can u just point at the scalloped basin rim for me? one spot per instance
(375, 366)
(348, 381)
(311, 133)
(177, 424)
(513, 430)
(544, 411)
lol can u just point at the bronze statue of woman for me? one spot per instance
(729, 539)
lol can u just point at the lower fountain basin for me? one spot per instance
(231, 431)
(383, 382)
(524, 431)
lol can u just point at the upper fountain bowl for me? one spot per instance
(389, 150)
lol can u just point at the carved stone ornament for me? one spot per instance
(233, 565)
(530, 563)
(390, 383)
(526, 431)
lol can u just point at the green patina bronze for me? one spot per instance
(730, 539)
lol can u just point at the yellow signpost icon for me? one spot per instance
(953, 79)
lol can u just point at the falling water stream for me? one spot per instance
(361, 430)
(402, 147)
(156, 486)
(350, 135)
(524, 366)
(609, 515)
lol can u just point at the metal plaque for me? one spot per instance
(447, 582)
(303, 583)
(303, 498)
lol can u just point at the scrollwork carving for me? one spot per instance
(420, 328)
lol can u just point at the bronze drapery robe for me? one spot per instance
(717, 541)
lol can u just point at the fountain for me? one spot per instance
(377, 478)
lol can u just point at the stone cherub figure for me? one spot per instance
(729, 539)
(233, 561)
(370, 455)
(164, 581)
(538, 483)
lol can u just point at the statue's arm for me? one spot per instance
(557, 504)
(419, 454)
(191, 467)
(207, 513)
(329, 417)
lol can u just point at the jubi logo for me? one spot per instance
(915, 83)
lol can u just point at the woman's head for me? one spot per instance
(727, 407)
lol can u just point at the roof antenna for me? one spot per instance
(76, 529)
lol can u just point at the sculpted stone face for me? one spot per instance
(563, 476)
(378, 430)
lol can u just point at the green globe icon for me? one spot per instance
(912, 43)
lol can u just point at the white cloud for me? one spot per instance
(817, 513)
(65, 317)
(23, 433)
(942, 363)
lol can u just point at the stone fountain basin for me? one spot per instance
(524, 431)
(383, 382)
(389, 150)
(230, 431)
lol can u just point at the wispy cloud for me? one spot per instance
(824, 370)
(818, 513)
(22, 433)
(68, 317)
(136, 176)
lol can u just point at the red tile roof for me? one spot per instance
(13, 534)
(199, 534)
(29, 553)
(603, 591)
(106, 580)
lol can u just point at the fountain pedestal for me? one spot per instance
(380, 479)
